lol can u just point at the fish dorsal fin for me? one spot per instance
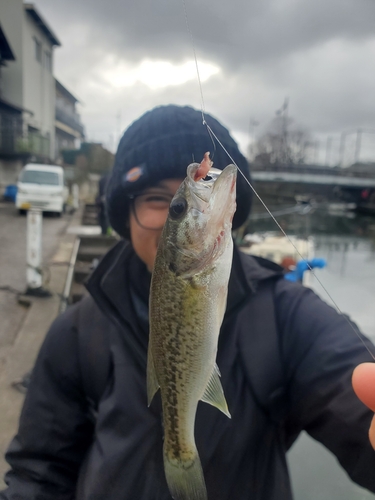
(214, 394)
(152, 381)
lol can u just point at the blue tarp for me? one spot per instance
(10, 193)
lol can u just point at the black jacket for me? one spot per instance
(286, 360)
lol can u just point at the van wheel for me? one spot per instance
(21, 211)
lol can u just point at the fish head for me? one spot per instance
(198, 228)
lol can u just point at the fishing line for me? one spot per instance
(212, 134)
(203, 110)
(195, 59)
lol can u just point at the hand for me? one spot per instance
(363, 381)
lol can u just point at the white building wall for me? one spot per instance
(38, 81)
(27, 82)
(11, 19)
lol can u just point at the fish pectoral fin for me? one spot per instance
(214, 394)
(152, 381)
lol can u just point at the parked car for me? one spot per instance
(41, 186)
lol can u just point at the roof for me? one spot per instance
(60, 87)
(31, 9)
(6, 52)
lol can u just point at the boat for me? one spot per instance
(295, 255)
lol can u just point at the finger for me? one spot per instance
(371, 433)
(363, 381)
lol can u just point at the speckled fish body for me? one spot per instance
(187, 305)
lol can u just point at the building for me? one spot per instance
(27, 88)
(69, 131)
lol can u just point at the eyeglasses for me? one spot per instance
(151, 209)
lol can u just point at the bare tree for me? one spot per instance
(284, 142)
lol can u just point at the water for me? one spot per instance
(347, 242)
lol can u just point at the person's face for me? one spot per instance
(148, 213)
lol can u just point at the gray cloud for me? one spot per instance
(245, 31)
(318, 53)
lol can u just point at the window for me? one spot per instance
(48, 61)
(38, 50)
(40, 177)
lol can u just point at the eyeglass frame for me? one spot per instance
(132, 198)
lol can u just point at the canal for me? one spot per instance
(347, 242)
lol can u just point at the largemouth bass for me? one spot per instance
(187, 304)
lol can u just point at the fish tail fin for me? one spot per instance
(185, 479)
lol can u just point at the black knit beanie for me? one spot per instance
(160, 145)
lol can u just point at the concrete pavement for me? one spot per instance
(32, 321)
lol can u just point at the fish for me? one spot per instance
(188, 299)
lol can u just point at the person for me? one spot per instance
(286, 357)
(100, 202)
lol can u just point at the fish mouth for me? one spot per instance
(202, 188)
(219, 202)
(223, 198)
(208, 189)
(208, 220)
(214, 195)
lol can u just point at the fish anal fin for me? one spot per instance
(214, 394)
(152, 381)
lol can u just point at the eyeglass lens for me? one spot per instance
(151, 209)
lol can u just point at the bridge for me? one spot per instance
(318, 178)
(355, 184)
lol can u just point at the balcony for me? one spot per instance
(71, 119)
(35, 143)
(13, 142)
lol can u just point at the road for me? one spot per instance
(13, 265)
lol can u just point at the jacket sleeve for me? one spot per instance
(55, 429)
(320, 351)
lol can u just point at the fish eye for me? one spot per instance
(178, 208)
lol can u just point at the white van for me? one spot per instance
(41, 186)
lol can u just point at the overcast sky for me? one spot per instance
(121, 58)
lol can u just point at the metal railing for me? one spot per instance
(70, 119)
(14, 141)
(34, 143)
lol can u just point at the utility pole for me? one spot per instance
(328, 151)
(316, 151)
(285, 123)
(342, 148)
(283, 112)
(252, 125)
(358, 145)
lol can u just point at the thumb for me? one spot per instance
(363, 381)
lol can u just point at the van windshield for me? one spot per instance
(40, 177)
